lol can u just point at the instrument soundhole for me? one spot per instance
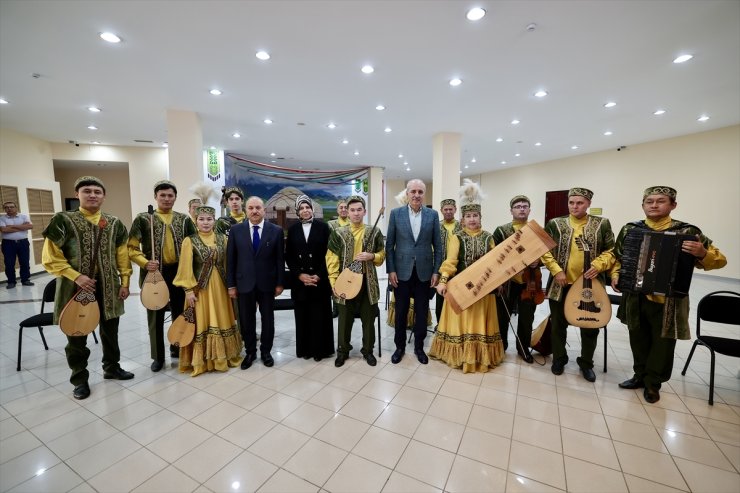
(587, 294)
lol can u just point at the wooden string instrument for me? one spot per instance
(532, 277)
(182, 330)
(349, 282)
(154, 292)
(81, 314)
(587, 304)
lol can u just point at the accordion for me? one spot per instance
(653, 263)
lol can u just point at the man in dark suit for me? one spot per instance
(414, 254)
(254, 275)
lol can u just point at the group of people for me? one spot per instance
(228, 267)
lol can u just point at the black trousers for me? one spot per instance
(248, 319)
(419, 291)
(155, 318)
(20, 249)
(515, 304)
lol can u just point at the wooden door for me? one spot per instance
(556, 204)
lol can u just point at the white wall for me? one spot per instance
(703, 167)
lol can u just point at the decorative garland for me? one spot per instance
(336, 177)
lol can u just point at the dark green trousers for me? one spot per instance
(78, 353)
(512, 302)
(589, 337)
(360, 304)
(155, 318)
(652, 354)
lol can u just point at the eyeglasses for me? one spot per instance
(522, 207)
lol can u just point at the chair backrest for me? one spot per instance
(721, 307)
(50, 291)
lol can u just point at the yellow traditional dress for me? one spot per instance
(217, 343)
(470, 340)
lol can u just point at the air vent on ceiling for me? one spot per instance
(144, 141)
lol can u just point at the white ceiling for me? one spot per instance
(584, 53)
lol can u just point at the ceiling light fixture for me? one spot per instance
(356, 153)
(538, 144)
(236, 135)
(515, 122)
(610, 104)
(574, 147)
(475, 14)
(683, 58)
(473, 160)
(165, 144)
(96, 142)
(267, 121)
(92, 127)
(540, 94)
(400, 156)
(93, 109)
(608, 133)
(466, 166)
(380, 107)
(345, 141)
(702, 118)
(408, 169)
(109, 37)
(503, 162)
(367, 69)
(388, 130)
(272, 154)
(455, 82)
(405, 163)
(262, 55)
(499, 139)
(517, 154)
(331, 125)
(658, 112)
(215, 92)
(3, 101)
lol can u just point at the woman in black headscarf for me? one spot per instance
(305, 252)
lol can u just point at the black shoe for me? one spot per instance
(651, 395)
(421, 356)
(28, 283)
(317, 358)
(10, 285)
(341, 358)
(632, 383)
(370, 359)
(118, 374)
(527, 356)
(267, 359)
(174, 352)
(397, 356)
(306, 356)
(81, 391)
(156, 365)
(557, 367)
(588, 374)
(248, 360)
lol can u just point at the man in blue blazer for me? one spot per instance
(414, 254)
(254, 276)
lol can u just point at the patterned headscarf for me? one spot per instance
(660, 190)
(88, 180)
(303, 199)
(583, 192)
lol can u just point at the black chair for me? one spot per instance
(41, 320)
(285, 303)
(721, 307)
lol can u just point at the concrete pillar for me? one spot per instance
(445, 167)
(185, 140)
(376, 192)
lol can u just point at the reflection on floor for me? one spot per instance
(307, 426)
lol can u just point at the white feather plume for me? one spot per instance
(204, 191)
(470, 193)
(402, 198)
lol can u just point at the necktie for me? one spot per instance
(255, 238)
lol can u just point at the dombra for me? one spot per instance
(182, 330)
(80, 315)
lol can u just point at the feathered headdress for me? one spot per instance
(471, 196)
(402, 198)
(204, 191)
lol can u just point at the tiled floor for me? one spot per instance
(306, 426)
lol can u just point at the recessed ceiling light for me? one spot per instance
(367, 69)
(608, 133)
(540, 94)
(466, 166)
(455, 82)
(503, 162)
(262, 55)
(356, 153)
(538, 144)
(388, 130)
(574, 147)
(3, 101)
(408, 169)
(92, 127)
(610, 104)
(267, 121)
(515, 122)
(473, 160)
(683, 58)
(165, 144)
(236, 135)
(475, 14)
(380, 107)
(658, 112)
(345, 141)
(96, 142)
(459, 171)
(517, 154)
(499, 139)
(93, 109)
(273, 161)
(213, 148)
(215, 92)
(400, 156)
(405, 163)
(331, 125)
(272, 154)
(110, 37)
(703, 118)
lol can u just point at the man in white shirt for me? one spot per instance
(14, 227)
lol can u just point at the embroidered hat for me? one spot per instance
(519, 198)
(303, 199)
(236, 190)
(204, 209)
(356, 198)
(471, 197)
(660, 190)
(447, 202)
(192, 201)
(88, 180)
(583, 192)
(164, 185)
